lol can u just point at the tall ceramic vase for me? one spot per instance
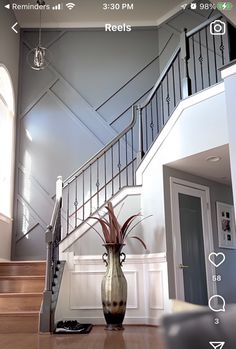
(114, 287)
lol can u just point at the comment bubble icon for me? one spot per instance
(217, 303)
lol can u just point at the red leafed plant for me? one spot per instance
(113, 231)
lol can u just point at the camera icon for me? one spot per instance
(217, 27)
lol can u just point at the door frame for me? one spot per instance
(182, 186)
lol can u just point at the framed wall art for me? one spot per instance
(226, 225)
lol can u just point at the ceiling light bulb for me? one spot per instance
(39, 57)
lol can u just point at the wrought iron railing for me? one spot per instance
(99, 179)
(193, 66)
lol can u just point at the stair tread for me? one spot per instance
(22, 262)
(21, 277)
(19, 313)
(20, 294)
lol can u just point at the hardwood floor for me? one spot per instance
(133, 337)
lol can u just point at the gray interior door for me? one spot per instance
(191, 228)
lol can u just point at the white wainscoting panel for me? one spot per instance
(155, 287)
(80, 283)
(80, 293)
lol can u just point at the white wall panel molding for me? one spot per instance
(70, 96)
(37, 99)
(33, 213)
(83, 294)
(155, 296)
(48, 196)
(89, 109)
(146, 275)
(85, 118)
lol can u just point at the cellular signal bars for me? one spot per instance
(57, 7)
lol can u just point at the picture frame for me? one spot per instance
(226, 225)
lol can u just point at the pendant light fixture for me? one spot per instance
(38, 57)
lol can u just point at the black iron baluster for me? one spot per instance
(126, 160)
(151, 123)
(112, 171)
(90, 188)
(157, 114)
(186, 82)
(200, 59)
(180, 85)
(162, 106)
(119, 165)
(140, 134)
(132, 148)
(194, 65)
(146, 128)
(214, 50)
(208, 63)
(105, 176)
(76, 200)
(173, 81)
(222, 49)
(97, 183)
(167, 95)
(68, 209)
(83, 208)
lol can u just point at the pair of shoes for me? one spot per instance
(70, 326)
(67, 324)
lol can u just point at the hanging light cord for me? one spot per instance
(40, 2)
(40, 28)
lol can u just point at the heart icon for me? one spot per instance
(216, 258)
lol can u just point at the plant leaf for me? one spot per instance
(120, 209)
(127, 233)
(103, 218)
(92, 228)
(114, 224)
(140, 240)
(127, 223)
(105, 230)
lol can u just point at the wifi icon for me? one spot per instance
(70, 5)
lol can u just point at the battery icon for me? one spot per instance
(224, 6)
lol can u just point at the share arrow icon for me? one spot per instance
(217, 345)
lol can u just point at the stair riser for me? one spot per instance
(22, 270)
(17, 303)
(18, 324)
(21, 286)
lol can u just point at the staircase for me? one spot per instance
(193, 67)
(21, 289)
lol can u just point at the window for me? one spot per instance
(6, 142)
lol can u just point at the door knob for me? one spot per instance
(181, 266)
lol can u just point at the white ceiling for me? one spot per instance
(89, 13)
(197, 165)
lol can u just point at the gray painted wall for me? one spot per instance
(9, 57)
(70, 110)
(63, 112)
(218, 192)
